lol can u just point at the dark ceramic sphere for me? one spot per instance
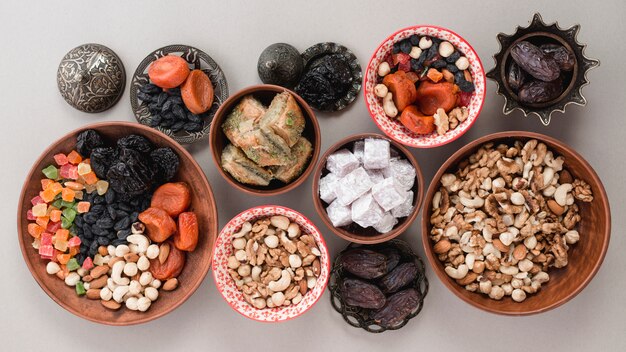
(280, 64)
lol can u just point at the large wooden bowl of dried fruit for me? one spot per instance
(275, 146)
(197, 264)
(573, 251)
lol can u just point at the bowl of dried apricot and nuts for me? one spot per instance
(116, 223)
(424, 86)
(270, 263)
(516, 223)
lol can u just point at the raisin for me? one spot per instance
(166, 163)
(192, 127)
(399, 277)
(87, 141)
(150, 89)
(466, 86)
(396, 48)
(532, 60)
(439, 64)
(535, 91)
(364, 263)
(397, 308)
(414, 40)
(516, 77)
(362, 294)
(135, 142)
(453, 57)
(452, 68)
(178, 112)
(563, 57)
(405, 46)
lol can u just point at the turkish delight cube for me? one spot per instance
(376, 153)
(402, 172)
(339, 215)
(405, 208)
(342, 162)
(386, 223)
(328, 184)
(376, 176)
(387, 195)
(352, 186)
(366, 212)
(358, 149)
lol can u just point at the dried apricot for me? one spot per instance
(432, 96)
(197, 92)
(172, 266)
(169, 71)
(414, 120)
(186, 238)
(402, 89)
(174, 198)
(159, 225)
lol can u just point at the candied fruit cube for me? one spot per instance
(388, 195)
(40, 209)
(83, 169)
(46, 238)
(78, 195)
(69, 214)
(75, 186)
(55, 215)
(53, 226)
(83, 207)
(352, 186)
(74, 158)
(102, 187)
(87, 161)
(87, 263)
(46, 250)
(36, 200)
(60, 245)
(74, 251)
(30, 216)
(62, 235)
(56, 188)
(51, 172)
(45, 183)
(74, 241)
(67, 195)
(69, 171)
(60, 159)
(35, 230)
(90, 178)
(72, 264)
(43, 221)
(63, 258)
(339, 215)
(36, 243)
(47, 195)
(386, 223)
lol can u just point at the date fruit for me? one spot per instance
(533, 60)
(393, 257)
(563, 57)
(399, 277)
(362, 294)
(364, 263)
(516, 77)
(539, 92)
(398, 307)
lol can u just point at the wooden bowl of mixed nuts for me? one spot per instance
(270, 263)
(516, 223)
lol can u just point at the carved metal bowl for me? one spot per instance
(360, 317)
(197, 59)
(539, 32)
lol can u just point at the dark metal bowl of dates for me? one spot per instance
(541, 69)
(378, 287)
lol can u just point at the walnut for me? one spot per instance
(559, 249)
(528, 148)
(582, 191)
(454, 122)
(506, 167)
(445, 200)
(572, 217)
(459, 113)
(441, 121)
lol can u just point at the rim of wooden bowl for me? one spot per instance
(464, 152)
(356, 238)
(216, 132)
(22, 234)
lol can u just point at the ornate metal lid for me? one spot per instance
(91, 78)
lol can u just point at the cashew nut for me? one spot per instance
(120, 292)
(116, 273)
(279, 221)
(381, 90)
(389, 107)
(278, 298)
(245, 229)
(560, 195)
(143, 304)
(457, 273)
(293, 230)
(141, 241)
(474, 203)
(121, 250)
(282, 283)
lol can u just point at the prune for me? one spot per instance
(399, 277)
(101, 160)
(535, 91)
(166, 163)
(563, 57)
(87, 141)
(532, 60)
(326, 80)
(405, 46)
(362, 294)
(364, 263)
(398, 307)
(516, 77)
(130, 176)
(135, 142)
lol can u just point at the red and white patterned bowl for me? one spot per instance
(223, 249)
(395, 129)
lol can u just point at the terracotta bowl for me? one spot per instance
(198, 261)
(264, 93)
(225, 284)
(585, 257)
(393, 128)
(354, 232)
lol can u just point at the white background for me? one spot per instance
(35, 36)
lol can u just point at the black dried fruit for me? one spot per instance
(535, 91)
(105, 223)
(192, 127)
(563, 57)
(396, 48)
(101, 160)
(453, 57)
(393, 257)
(178, 126)
(414, 40)
(397, 308)
(88, 140)
(178, 112)
(135, 142)
(439, 64)
(398, 278)
(466, 86)
(432, 52)
(362, 294)
(516, 77)
(405, 46)
(161, 98)
(166, 163)
(326, 80)
(364, 263)
(150, 88)
(452, 68)
(532, 60)
(130, 176)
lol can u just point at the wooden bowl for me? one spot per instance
(585, 257)
(223, 249)
(198, 261)
(264, 93)
(354, 232)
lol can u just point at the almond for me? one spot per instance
(111, 304)
(102, 250)
(316, 267)
(500, 246)
(61, 274)
(98, 271)
(87, 278)
(479, 267)
(131, 257)
(93, 293)
(519, 252)
(114, 260)
(303, 287)
(164, 252)
(468, 279)
(99, 282)
(565, 177)
(170, 285)
(555, 208)
(442, 247)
